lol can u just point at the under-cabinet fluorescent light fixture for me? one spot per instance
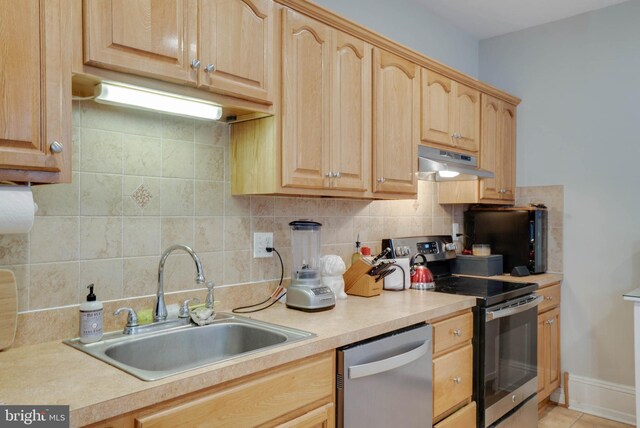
(448, 173)
(121, 94)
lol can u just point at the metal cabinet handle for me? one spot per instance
(457, 332)
(209, 68)
(56, 147)
(337, 175)
(551, 321)
(381, 180)
(457, 380)
(184, 309)
(329, 174)
(195, 64)
(391, 363)
(548, 298)
(132, 318)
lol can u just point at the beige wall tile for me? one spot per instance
(106, 275)
(209, 198)
(177, 159)
(75, 141)
(209, 234)
(142, 155)
(54, 239)
(176, 197)
(179, 272)
(101, 116)
(209, 163)
(53, 284)
(235, 205)
(177, 230)
(75, 113)
(282, 231)
(262, 206)
(265, 268)
(141, 122)
(14, 249)
(213, 265)
(261, 224)
(58, 199)
(237, 233)
(140, 276)
(213, 133)
(178, 128)
(100, 194)
(100, 237)
(23, 279)
(237, 267)
(141, 236)
(345, 207)
(100, 151)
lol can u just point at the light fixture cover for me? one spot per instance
(148, 99)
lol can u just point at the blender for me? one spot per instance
(306, 291)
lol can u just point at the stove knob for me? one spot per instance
(450, 247)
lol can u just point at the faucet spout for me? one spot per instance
(160, 310)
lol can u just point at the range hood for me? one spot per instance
(445, 165)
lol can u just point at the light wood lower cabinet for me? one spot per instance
(463, 418)
(453, 370)
(299, 394)
(35, 91)
(549, 369)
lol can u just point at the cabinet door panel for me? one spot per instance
(351, 109)
(489, 151)
(554, 350)
(35, 104)
(543, 363)
(437, 109)
(306, 95)
(153, 38)
(236, 37)
(466, 118)
(396, 119)
(322, 417)
(508, 151)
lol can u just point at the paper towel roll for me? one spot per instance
(17, 210)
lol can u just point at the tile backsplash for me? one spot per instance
(143, 181)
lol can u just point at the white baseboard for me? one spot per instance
(599, 398)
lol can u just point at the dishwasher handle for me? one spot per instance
(363, 370)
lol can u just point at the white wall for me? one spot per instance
(409, 22)
(579, 79)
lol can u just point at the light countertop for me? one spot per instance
(53, 373)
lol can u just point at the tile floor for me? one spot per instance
(560, 417)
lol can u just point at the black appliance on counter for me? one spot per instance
(505, 341)
(519, 234)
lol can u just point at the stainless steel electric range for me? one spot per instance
(505, 334)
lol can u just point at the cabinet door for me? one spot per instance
(507, 150)
(548, 353)
(452, 380)
(35, 93)
(489, 151)
(236, 47)
(396, 107)
(306, 87)
(351, 110)
(322, 417)
(466, 118)
(437, 109)
(543, 351)
(155, 38)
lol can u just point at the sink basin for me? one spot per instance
(152, 356)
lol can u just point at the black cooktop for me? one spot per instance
(488, 291)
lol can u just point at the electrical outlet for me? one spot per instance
(260, 243)
(455, 229)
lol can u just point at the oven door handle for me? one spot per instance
(492, 315)
(363, 370)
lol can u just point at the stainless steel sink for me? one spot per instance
(152, 356)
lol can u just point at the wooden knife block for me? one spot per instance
(357, 282)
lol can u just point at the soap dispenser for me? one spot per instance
(91, 318)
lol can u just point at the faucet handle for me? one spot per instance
(184, 310)
(209, 301)
(132, 318)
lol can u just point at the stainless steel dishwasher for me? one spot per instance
(386, 381)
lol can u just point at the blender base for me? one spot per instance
(310, 298)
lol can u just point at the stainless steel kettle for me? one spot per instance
(421, 276)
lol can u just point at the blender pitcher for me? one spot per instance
(306, 291)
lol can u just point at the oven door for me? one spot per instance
(510, 368)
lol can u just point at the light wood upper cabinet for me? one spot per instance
(450, 113)
(306, 105)
(351, 110)
(396, 109)
(155, 38)
(222, 45)
(236, 47)
(35, 93)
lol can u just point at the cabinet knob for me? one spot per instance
(209, 68)
(549, 298)
(457, 380)
(457, 332)
(329, 174)
(56, 147)
(337, 175)
(195, 64)
(551, 321)
(381, 180)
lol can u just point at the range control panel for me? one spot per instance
(433, 247)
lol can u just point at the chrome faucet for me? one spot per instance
(160, 311)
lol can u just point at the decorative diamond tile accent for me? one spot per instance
(142, 196)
